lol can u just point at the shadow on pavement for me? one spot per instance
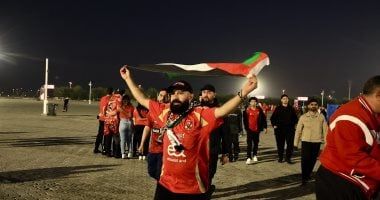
(49, 173)
(269, 155)
(49, 141)
(12, 132)
(285, 187)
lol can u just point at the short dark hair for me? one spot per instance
(371, 84)
(311, 100)
(208, 87)
(253, 98)
(284, 95)
(163, 89)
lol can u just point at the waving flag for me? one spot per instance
(251, 66)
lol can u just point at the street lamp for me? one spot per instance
(283, 91)
(89, 95)
(322, 94)
(70, 83)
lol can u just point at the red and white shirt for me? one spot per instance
(253, 118)
(155, 131)
(186, 171)
(352, 148)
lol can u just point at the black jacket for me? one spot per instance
(284, 117)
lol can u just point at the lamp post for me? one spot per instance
(44, 110)
(283, 91)
(89, 95)
(322, 94)
(70, 83)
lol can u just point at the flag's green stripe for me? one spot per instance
(252, 59)
(172, 75)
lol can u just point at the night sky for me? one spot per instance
(311, 46)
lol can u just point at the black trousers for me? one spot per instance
(252, 137)
(309, 154)
(137, 135)
(331, 186)
(235, 148)
(164, 194)
(99, 136)
(284, 134)
(112, 145)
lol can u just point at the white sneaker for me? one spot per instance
(123, 156)
(140, 157)
(254, 158)
(248, 162)
(144, 157)
(130, 155)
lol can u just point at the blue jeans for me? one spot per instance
(125, 130)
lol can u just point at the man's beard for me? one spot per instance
(314, 109)
(208, 103)
(178, 107)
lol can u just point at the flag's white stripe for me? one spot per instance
(202, 67)
(259, 66)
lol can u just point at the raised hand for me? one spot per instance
(249, 86)
(124, 72)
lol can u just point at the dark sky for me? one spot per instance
(312, 46)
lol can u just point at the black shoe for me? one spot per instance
(304, 182)
(97, 151)
(210, 191)
(280, 160)
(289, 161)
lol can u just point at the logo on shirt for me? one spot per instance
(188, 125)
(173, 152)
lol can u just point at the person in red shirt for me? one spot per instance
(140, 119)
(102, 107)
(350, 161)
(155, 143)
(186, 131)
(111, 126)
(126, 124)
(255, 121)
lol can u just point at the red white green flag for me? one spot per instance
(251, 66)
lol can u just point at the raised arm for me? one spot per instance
(135, 90)
(231, 104)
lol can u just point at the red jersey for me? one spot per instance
(155, 130)
(253, 119)
(102, 106)
(126, 111)
(352, 148)
(186, 171)
(140, 118)
(111, 119)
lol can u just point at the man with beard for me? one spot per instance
(219, 141)
(185, 154)
(311, 130)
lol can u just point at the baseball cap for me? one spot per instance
(208, 87)
(180, 85)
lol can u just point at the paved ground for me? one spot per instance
(44, 157)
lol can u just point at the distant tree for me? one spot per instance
(79, 93)
(98, 92)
